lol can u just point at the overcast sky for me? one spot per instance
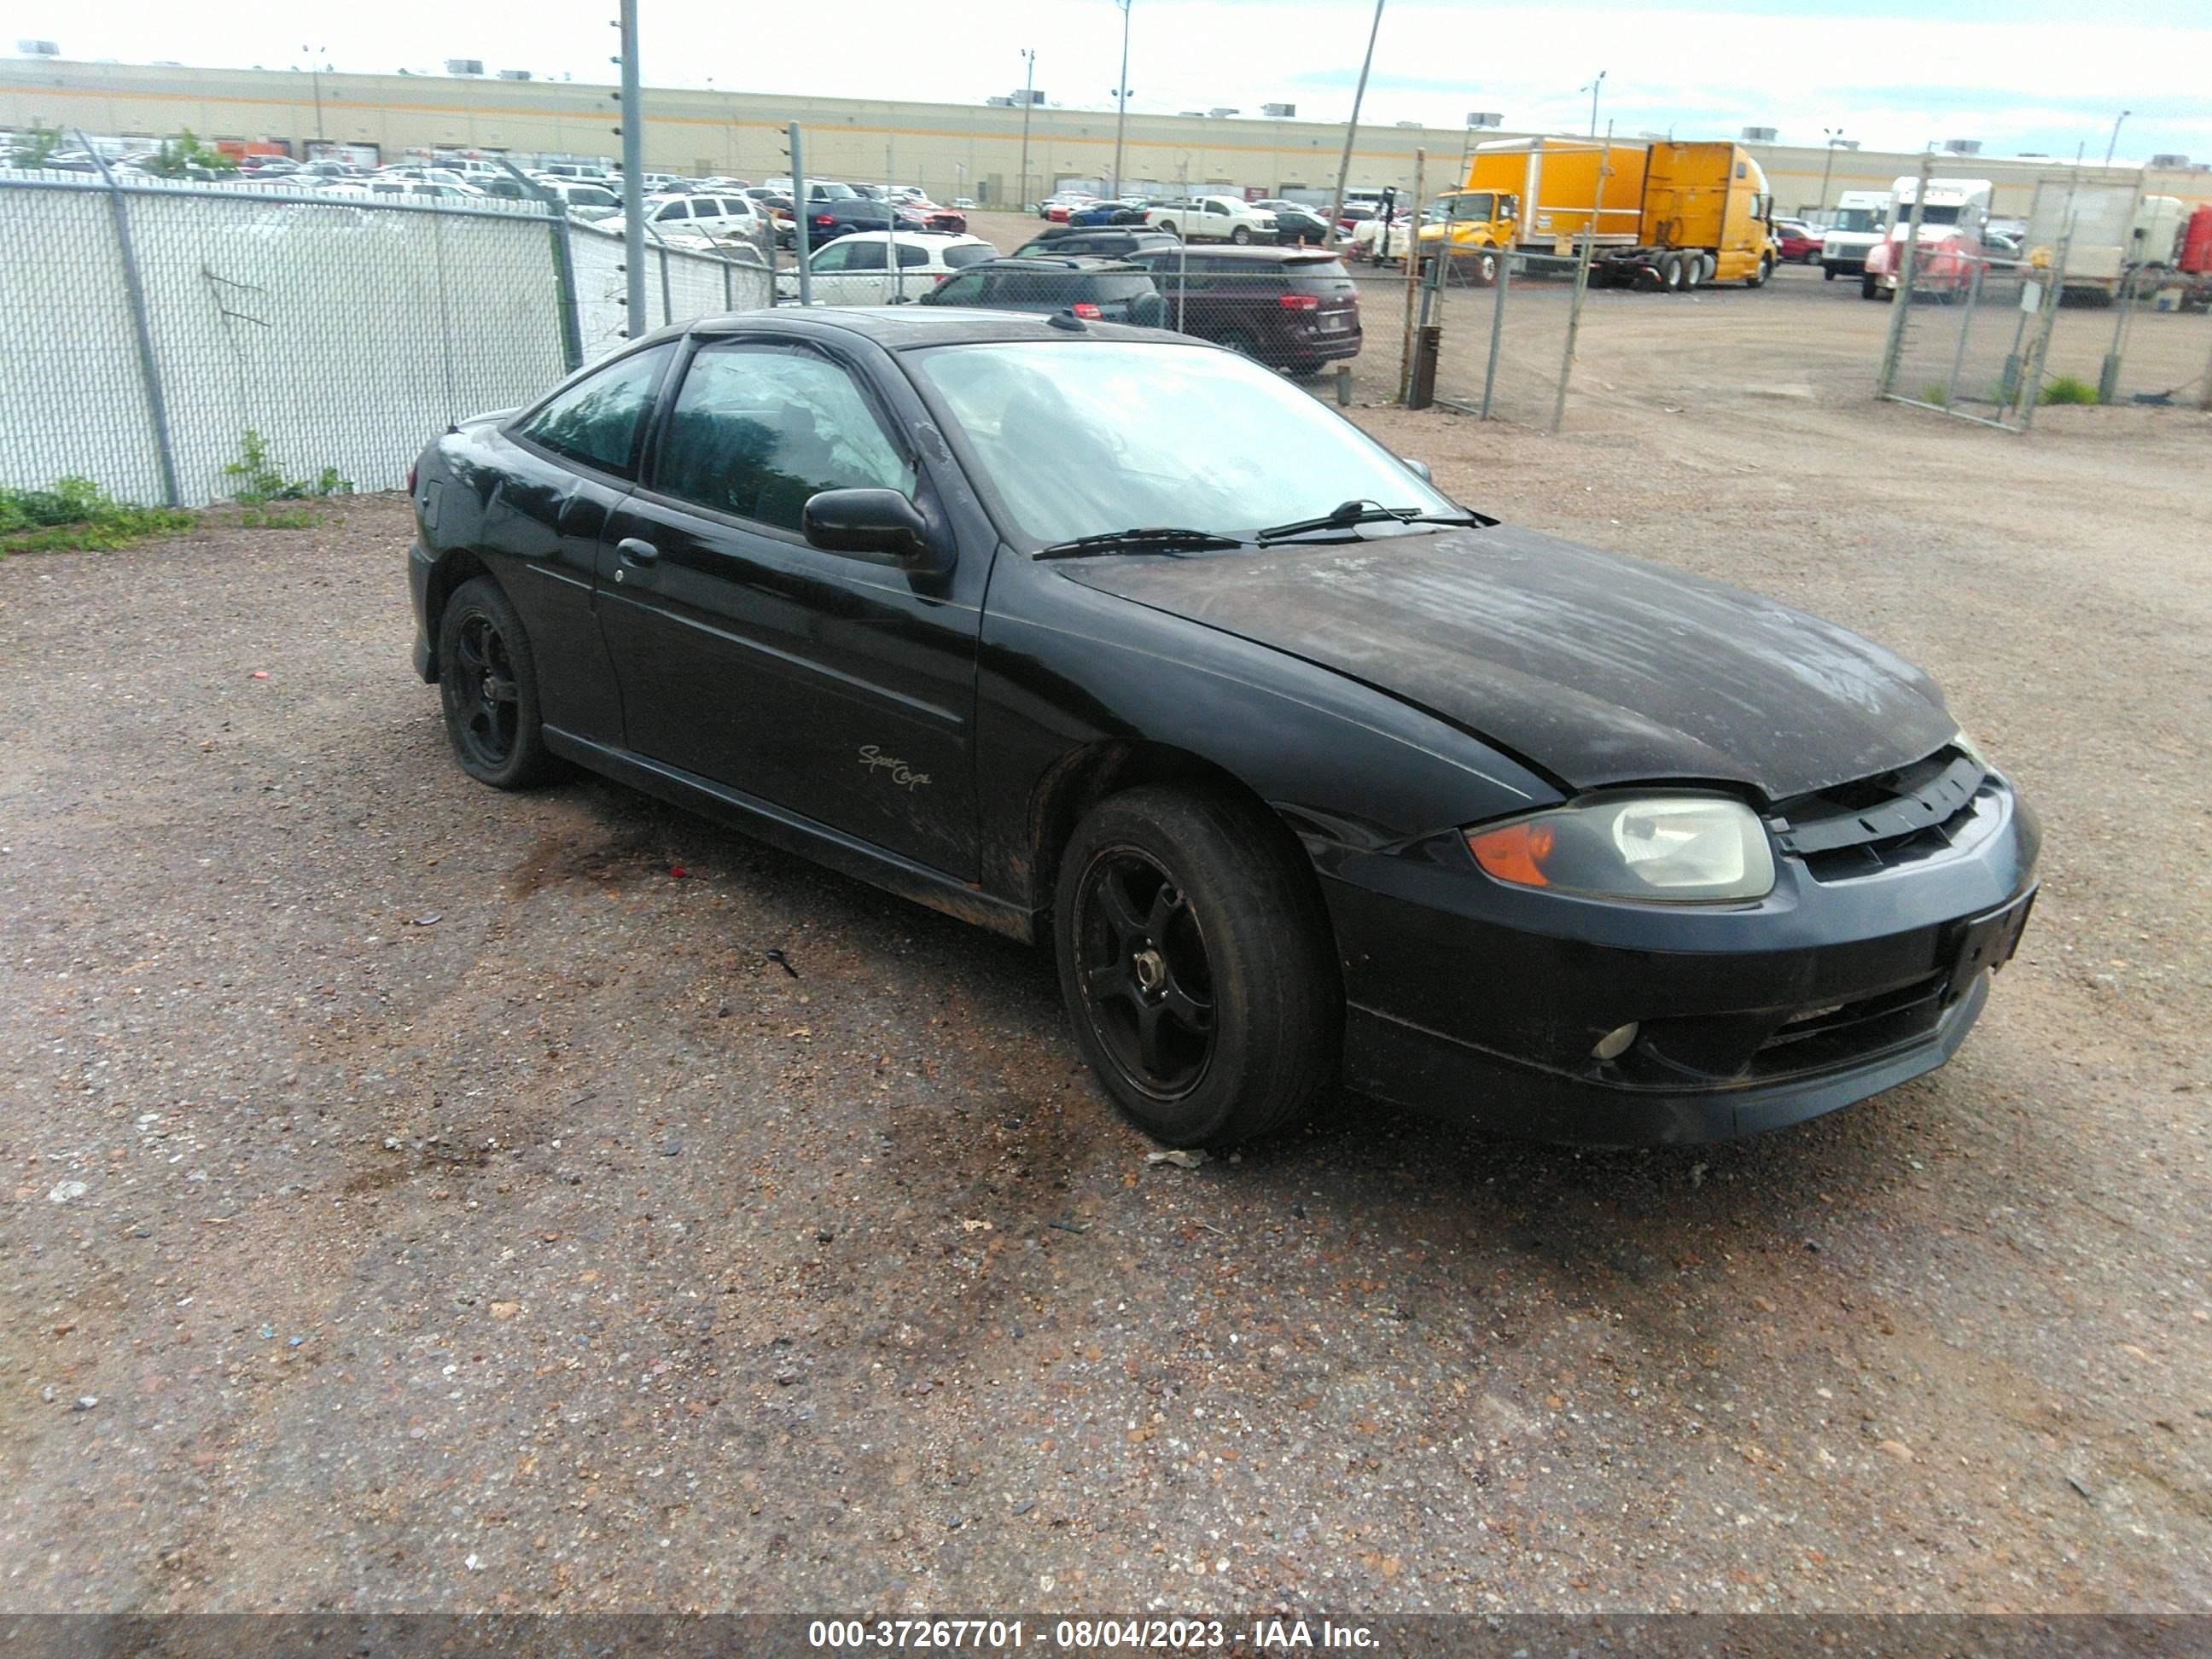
(2019, 75)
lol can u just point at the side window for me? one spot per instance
(674, 211)
(965, 290)
(758, 429)
(963, 254)
(866, 256)
(597, 420)
(833, 258)
(911, 257)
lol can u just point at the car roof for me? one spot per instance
(906, 328)
(1264, 256)
(1085, 264)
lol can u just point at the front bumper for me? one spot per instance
(1483, 1002)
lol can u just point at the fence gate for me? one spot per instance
(1969, 337)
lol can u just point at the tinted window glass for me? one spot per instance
(837, 257)
(865, 256)
(595, 420)
(1118, 288)
(913, 255)
(758, 429)
(966, 290)
(963, 254)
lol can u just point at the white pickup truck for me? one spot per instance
(1213, 219)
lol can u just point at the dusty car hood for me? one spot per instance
(1598, 668)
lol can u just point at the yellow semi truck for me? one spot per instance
(1664, 216)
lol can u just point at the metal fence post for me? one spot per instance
(801, 243)
(1413, 272)
(1574, 322)
(2031, 383)
(1894, 347)
(1497, 327)
(157, 405)
(564, 268)
(1966, 323)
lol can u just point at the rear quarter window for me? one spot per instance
(960, 258)
(1122, 286)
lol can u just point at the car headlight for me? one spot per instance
(1673, 849)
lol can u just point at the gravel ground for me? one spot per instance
(421, 1198)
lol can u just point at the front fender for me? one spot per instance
(1065, 668)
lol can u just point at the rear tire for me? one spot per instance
(1670, 272)
(487, 687)
(1196, 965)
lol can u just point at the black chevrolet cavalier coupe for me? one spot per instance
(1312, 776)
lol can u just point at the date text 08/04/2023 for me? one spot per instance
(1088, 1635)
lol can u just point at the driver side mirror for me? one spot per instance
(879, 525)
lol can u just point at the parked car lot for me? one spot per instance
(858, 269)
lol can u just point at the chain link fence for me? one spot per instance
(1992, 340)
(149, 324)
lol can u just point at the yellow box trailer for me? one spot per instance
(1661, 217)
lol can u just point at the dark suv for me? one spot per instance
(1289, 308)
(1102, 241)
(1106, 290)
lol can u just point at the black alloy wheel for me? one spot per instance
(488, 684)
(1197, 965)
(1147, 986)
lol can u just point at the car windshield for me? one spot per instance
(1083, 438)
(1858, 219)
(1935, 215)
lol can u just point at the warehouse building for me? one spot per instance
(948, 150)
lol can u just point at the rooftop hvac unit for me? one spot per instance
(1759, 135)
(1000, 103)
(514, 75)
(1962, 145)
(1199, 113)
(1280, 112)
(1484, 117)
(2174, 163)
(38, 48)
(1408, 124)
(464, 66)
(1224, 111)
(1029, 92)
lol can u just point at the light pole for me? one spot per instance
(1351, 130)
(1121, 101)
(2113, 142)
(314, 70)
(1029, 97)
(1834, 135)
(1593, 88)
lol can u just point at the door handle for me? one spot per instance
(631, 551)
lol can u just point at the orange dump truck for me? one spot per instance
(1663, 216)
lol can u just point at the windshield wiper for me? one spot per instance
(1138, 541)
(1349, 513)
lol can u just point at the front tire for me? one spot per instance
(1194, 959)
(1241, 236)
(487, 684)
(1869, 289)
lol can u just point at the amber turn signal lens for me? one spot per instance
(1515, 854)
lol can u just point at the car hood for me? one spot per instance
(1595, 668)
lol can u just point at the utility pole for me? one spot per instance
(1029, 84)
(1351, 130)
(315, 70)
(633, 136)
(1593, 88)
(2113, 142)
(1834, 135)
(1121, 101)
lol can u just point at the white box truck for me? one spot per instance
(2117, 230)
(1859, 220)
